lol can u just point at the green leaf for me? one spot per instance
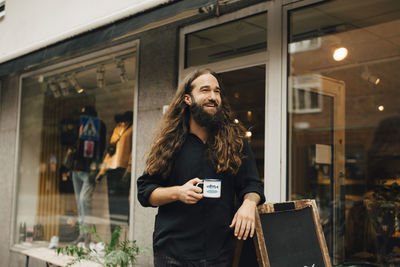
(117, 254)
(114, 239)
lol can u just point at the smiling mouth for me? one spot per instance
(210, 105)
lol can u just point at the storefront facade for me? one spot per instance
(314, 83)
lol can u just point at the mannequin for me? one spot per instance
(83, 159)
(116, 168)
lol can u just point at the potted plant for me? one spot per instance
(114, 254)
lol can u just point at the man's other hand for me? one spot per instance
(189, 193)
(244, 219)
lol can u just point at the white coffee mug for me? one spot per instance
(211, 188)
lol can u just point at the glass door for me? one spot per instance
(317, 143)
(245, 90)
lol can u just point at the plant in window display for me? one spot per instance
(116, 253)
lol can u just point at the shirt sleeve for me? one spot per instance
(247, 178)
(146, 184)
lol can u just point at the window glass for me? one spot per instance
(75, 150)
(237, 38)
(344, 124)
(241, 86)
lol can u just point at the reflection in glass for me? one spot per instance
(241, 86)
(357, 191)
(237, 38)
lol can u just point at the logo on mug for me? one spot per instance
(212, 188)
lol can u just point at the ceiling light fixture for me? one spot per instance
(340, 53)
(100, 76)
(54, 88)
(366, 75)
(72, 80)
(121, 70)
(64, 86)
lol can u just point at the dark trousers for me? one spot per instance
(161, 260)
(118, 184)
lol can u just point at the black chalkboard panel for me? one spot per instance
(291, 239)
(288, 234)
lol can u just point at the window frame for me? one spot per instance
(222, 65)
(274, 155)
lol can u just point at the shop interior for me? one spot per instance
(344, 134)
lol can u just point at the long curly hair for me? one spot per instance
(224, 146)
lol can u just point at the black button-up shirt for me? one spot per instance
(201, 230)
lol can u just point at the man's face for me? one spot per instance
(206, 93)
(205, 101)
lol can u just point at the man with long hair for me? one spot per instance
(198, 139)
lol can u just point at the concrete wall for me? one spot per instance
(8, 130)
(44, 22)
(157, 85)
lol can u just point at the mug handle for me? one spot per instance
(199, 184)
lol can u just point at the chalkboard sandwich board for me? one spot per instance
(289, 234)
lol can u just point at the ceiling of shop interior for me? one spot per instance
(373, 50)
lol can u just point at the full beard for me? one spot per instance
(204, 119)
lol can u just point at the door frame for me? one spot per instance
(336, 89)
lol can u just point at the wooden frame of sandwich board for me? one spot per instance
(259, 240)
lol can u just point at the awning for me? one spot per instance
(102, 34)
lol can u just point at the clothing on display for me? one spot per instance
(116, 167)
(82, 160)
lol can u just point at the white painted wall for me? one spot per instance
(30, 25)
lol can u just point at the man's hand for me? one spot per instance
(244, 219)
(189, 193)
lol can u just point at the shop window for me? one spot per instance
(241, 86)
(344, 124)
(75, 147)
(235, 46)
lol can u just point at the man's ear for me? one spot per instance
(188, 99)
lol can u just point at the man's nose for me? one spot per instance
(212, 95)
